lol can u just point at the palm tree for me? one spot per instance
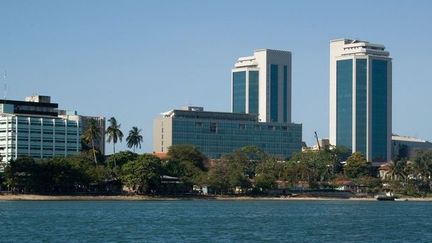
(134, 138)
(114, 132)
(396, 170)
(91, 134)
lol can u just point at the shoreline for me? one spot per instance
(36, 197)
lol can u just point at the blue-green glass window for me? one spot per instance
(253, 92)
(273, 92)
(361, 105)
(239, 92)
(344, 69)
(285, 93)
(379, 110)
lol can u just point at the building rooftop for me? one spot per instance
(33, 105)
(396, 137)
(355, 46)
(190, 112)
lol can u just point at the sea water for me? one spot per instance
(215, 221)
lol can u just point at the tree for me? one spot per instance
(186, 162)
(134, 138)
(92, 134)
(397, 170)
(218, 178)
(186, 152)
(21, 174)
(114, 132)
(357, 166)
(267, 173)
(143, 174)
(422, 169)
(317, 168)
(120, 158)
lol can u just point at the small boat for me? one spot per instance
(385, 198)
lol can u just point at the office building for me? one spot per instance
(361, 98)
(84, 120)
(407, 147)
(219, 133)
(261, 84)
(34, 128)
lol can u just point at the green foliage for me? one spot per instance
(114, 133)
(314, 167)
(91, 135)
(243, 169)
(218, 178)
(134, 138)
(187, 163)
(185, 170)
(190, 153)
(265, 182)
(54, 175)
(21, 174)
(247, 170)
(143, 174)
(120, 158)
(373, 184)
(357, 166)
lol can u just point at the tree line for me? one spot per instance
(248, 170)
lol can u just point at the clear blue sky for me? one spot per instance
(136, 59)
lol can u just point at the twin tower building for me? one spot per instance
(261, 91)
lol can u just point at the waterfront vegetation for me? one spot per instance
(185, 170)
(410, 177)
(247, 171)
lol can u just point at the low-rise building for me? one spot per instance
(405, 146)
(219, 133)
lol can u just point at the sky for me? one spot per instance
(136, 59)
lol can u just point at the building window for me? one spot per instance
(344, 78)
(239, 92)
(213, 127)
(242, 126)
(379, 109)
(274, 92)
(361, 105)
(253, 92)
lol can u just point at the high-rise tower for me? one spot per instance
(361, 98)
(261, 84)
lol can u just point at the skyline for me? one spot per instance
(71, 51)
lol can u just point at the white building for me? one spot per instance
(35, 128)
(38, 136)
(361, 98)
(261, 84)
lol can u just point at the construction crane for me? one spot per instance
(316, 137)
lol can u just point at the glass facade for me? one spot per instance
(274, 92)
(361, 105)
(239, 92)
(344, 74)
(253, 92)
(221, 133)
(379, 109)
